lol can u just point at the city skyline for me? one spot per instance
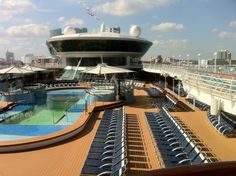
(176, 27)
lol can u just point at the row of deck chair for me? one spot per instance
(108, 152)
(69, 84)
(135, 83)
(165, 102)
(229, 120)
(160, 84)
(176, 145)
(221, 126)
(226, 125)
(199, 104)
(181, 91)
(153, 92)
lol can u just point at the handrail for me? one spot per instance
(217, 84)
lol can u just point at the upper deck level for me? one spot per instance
(78, 41)
(203, 83)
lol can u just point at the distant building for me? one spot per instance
(9, 57)
(28, 59)
(233, 62)
(223, 55)
(218, 62)
(47, 62)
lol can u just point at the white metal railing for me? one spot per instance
(225, 69)
(220, 85)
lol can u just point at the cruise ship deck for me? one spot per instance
(69, 156)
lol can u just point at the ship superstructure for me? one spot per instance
(77, 46)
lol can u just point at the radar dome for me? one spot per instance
(135, 31)
(69, 30)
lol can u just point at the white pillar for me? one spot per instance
(188, 60)
(199, 60)
(179, 89)
(215, 55)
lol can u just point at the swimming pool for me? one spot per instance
(62, 108)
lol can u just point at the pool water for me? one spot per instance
(62, 108)
(60, 103)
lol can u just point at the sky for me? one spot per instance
(177, 28)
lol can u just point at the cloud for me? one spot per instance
(164, 27)
(29, 30)
(9, 8)
(232, 24)
(225, 34)
(130, 7)
(15, 5)
(5, 42)
(1, 29)
(28, 20)
(71, 21)
(214, 30)
(171, 42)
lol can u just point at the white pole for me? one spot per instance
(199, 60)
(219, 108)
(179, 59)
(77, 68)
(188, 60)
(215, 54)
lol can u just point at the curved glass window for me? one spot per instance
(100, 45)
(86, 62)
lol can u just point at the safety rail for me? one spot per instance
(199, 84)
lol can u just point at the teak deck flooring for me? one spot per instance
(68, 157)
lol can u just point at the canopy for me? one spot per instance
(106, 69)
(15, 70)
(31, 68)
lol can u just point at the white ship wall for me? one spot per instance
(224, 103)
